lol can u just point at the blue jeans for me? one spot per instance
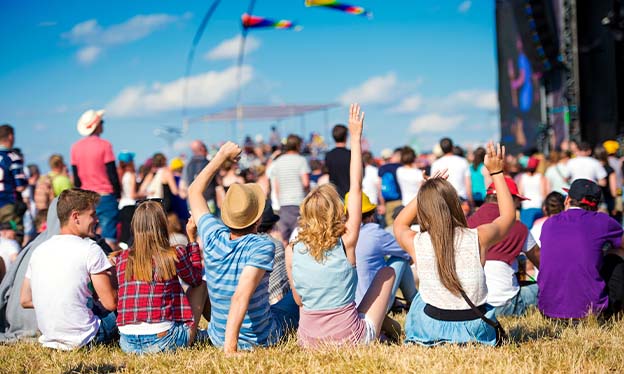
(518, 305)
(404, 279)
(108, 332)
(286, 313)
(108, 216)
(177, 336)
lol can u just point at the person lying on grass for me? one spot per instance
(321, 263)
(155, 314)
(237, 262)
(449, 259)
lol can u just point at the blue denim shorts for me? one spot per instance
(108, 216)
(177, 336)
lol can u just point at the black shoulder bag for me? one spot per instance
(501, 335)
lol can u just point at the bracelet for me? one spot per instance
(496, 172)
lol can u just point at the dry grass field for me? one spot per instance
(537, 346)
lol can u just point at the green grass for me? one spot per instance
(538, 346)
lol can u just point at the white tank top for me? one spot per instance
(126, 186)
(155, 188)
(532, 188)
(468, 267)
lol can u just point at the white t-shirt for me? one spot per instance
(556, 175)
(8, 248)
(369, 183)
(502, 283)
(409, 180)
(532, 189)
(287, 171)
(126, 187)
(587, 168)
(458, 170)
(59, 273)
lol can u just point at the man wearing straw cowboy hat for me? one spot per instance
(237, 262)
(93, 165)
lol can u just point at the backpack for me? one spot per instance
(389, 188)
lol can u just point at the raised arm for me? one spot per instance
(492, 233)
(228, 151)
(354, 206)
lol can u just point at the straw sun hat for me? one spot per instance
(243, 205)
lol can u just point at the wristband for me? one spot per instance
(496, 172)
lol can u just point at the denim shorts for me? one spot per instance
(177, 336)
(108, 216)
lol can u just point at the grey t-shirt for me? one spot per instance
(287, 171)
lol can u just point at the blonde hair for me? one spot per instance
(151, 257)
(439, 213)
(322, 220)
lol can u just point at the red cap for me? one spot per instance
(533, 163)
(512, 188)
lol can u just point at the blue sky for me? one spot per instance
(420, 69)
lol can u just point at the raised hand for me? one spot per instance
(356, 120)
(494, 158)
(230, 151)
(443, 174)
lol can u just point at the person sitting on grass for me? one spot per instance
(321, 263)
(63, 274)
(582, 271)
(373, 246)
(450, 257)
(237, 262)
(505, 292)
(155, 314)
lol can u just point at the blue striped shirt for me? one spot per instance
(225, 260)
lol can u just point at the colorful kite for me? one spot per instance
(250, 22)
(351, 9)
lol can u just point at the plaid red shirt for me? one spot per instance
(158, 301)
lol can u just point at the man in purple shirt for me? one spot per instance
(574, 243)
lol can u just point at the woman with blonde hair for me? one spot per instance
(154, 313)
(321, 263)
(450, 306)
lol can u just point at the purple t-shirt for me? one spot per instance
(569, 280)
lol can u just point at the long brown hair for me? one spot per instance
(151, 258)
(322, 220)
(439, 213)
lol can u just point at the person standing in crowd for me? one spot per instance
(337, 160)
(198, 161)
(58, 175)
(505, 293)
(237, 262)
(179, 205)
(155, 314)
(390, 197)
(609, 190)
(64, 276)
(533, 185)
(479, 178)
(12, 181)
(321, 263)
(228, 175)
(583, 166)
(574, 245)
(93, 166)
(291, 175)
(449, 258)
(129, 194)
(557, 173)
(369, 183)
(160, 183)
(457, 167)
(409, 177)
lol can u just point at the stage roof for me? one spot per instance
(263, 112)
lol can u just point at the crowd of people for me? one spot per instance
(269, 239)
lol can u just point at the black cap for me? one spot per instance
(585, 191)
(268, 218)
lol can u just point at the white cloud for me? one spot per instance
(409, 104)
(88, 54)
(204, 90)
(464, 99)
(229, 48)
(375, 90)
(92, 35)
(464, 6)
(435, 123)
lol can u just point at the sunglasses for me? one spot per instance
(155, 199)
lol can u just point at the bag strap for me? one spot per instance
(501, 335)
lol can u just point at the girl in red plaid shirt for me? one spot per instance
(154, 312)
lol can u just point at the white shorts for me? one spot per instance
(370, 335)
